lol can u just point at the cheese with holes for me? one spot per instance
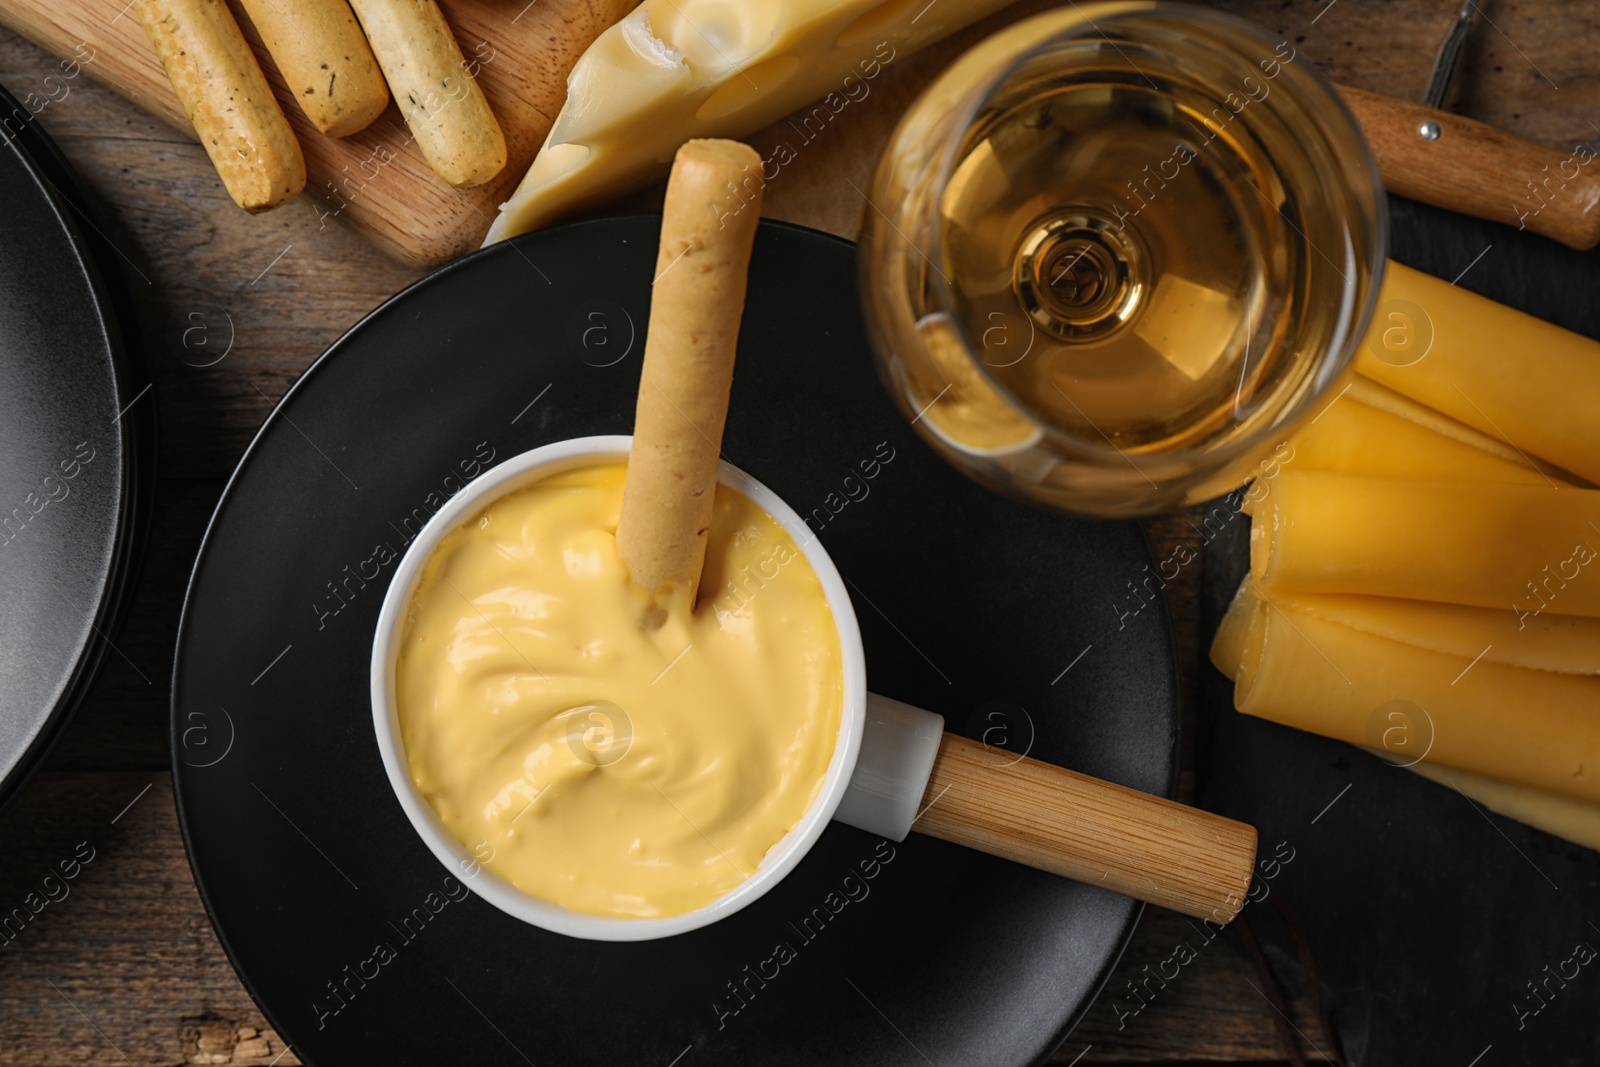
(676, 69)
(1524, 380)
(1524, 549)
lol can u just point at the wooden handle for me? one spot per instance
(1092, 831)
(227, 99)
(1478, 170)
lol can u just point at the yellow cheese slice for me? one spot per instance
(1576, 820)
(1383, 398)
(1569, 644)
(1519, 378)
(1525, 549)
(1536, 728)
(677, 69)
(1228, 647)
(1351, 437)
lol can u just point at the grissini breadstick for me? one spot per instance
(441, 101)
(227, 98)
(323, 56)
(695, 305)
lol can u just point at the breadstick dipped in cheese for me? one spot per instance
(226, 97)
(440, 98)
(698, 297)
(324, 59)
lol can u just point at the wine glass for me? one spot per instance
(1117, 252)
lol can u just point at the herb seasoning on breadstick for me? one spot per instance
(226, 97)
(323, 56)
(695, 305)
(437, 93)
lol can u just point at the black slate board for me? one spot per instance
(76, 451)
(1427, 916)
(969, 605)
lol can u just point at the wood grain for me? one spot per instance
(138, 955)
(375, 180)
(1478, 170)
(1031, 812)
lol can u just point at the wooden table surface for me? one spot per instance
(126, 969)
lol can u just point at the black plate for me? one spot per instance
(72, 454)
(1427, 916)
(307, 863)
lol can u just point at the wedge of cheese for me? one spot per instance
(1535, 728)
(1351, 437)
(1508, 374)
(676, 69)
(1524, 549)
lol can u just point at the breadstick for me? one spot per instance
(706, 232)
(437, 93)
(323, 57)
(227, 98)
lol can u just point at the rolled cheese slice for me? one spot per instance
(1506, 373)
(1524, 549)
(1577, 821)
(678, 69)
(1352, 437)
(1370, 393)
(1568, 644)
(1535, 728)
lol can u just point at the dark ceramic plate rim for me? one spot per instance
(114, 310)
(1124, 936)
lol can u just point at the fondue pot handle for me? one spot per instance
(914, 776)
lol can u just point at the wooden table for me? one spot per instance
(126, 969)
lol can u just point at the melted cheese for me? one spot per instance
(604, 767)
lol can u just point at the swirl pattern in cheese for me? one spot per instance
(608, 768)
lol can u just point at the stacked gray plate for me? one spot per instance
(74, 445)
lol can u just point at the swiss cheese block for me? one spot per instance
(1519, 378)
(678, 69)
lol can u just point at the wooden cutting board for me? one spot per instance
(376, 180)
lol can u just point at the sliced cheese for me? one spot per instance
(1227, 648)
(676, 69)
(1524, 549)
(1536, 728)
(1569, 644)
(1524, 380)
(1577, 821)
(1351, 437)
(1383, 398)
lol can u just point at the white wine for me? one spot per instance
(1148, 235)
(1114, 258)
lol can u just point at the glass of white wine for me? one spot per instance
(1117, 251)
